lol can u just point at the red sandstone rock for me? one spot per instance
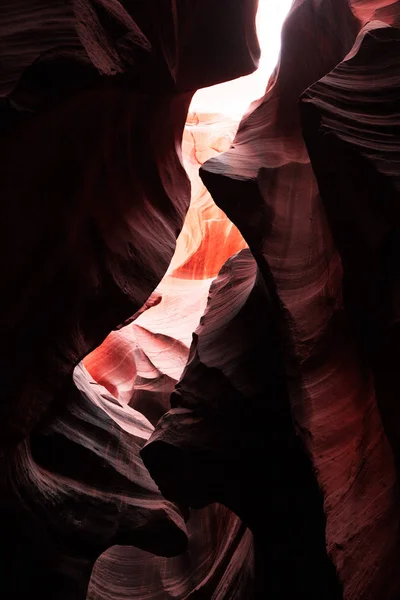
(94, 100)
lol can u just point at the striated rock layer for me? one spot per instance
(267, 187)
(75, 489)
(351, 126)
(92, 117)
(230, 415)
(94, 98)
(272, 435)
(267, 177)
(140, 363)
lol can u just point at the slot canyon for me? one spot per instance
(199, 299)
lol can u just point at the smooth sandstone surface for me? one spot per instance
(199, 317)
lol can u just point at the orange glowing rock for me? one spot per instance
(154, 349)
(208, 237)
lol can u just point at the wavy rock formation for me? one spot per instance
(73, 490)
(91, 126)
(383, 10)
(94, 97)
(140, 363)
(217, 565)
(267, 187)
(79, 173)
(229, 437)
(351, 125)
(272, 437)
(150, 352)
(208, 238)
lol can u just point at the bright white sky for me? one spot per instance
(233, 97)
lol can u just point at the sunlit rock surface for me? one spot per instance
(267, 187)
(94, 98)
(70, 277)
(76, 488)
(140, 364)
(230, 412)
(156, 344)
(278, 421)
(92, 116)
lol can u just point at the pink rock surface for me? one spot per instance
(153, 350)
(272, 432)
(267, 187)
(94, 98)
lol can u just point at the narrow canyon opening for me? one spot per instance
(200, 308)
(146, 358)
